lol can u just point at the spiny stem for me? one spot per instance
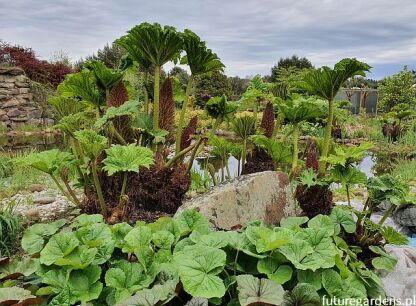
(98, 189)
(327, 139)
(156, 99)
(295, 137)
(71, 192)
(123, 190)
(62, 189)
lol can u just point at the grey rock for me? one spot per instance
(265, 196)
(44, 200)
(11, 70)
(6, 85)
(406, 216)
(36, 188)
(13, 112)
(11, 103)
(21, 84)
(4, 118)
(401, 283)
(19, 119)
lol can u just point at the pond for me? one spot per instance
(28, 140)
(367, 165)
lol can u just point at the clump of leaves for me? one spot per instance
(220, 109)
(280, 152)
(184, 261)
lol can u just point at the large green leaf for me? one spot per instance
(323, 222)
(106, 77)
(343, 217)
(163, 239)
(127, 278)
(217, 239)
(98, 236)
(325, 82)
(241, 243)
(199, 58)
(350, 287)
(92, 143)
(275, 270)
(310, 277)
(82, 86)
(293, 222)
(302, 295)
(298, 108)
(385, 261)
(198, 267)
(128, 108)
(127, 158)
(59, 246)
(394, 237)
(159, 294)
(34, 237)
(191, 220)
(253, 291)
(14, 294)
(84, 284)
(84, 220)
(80, 258)
(279, 151)
(267, 239)
(151, 43)
(296, 251)
(119, 232)
(49, 161)
(324, 250)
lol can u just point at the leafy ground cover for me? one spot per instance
(182, 261)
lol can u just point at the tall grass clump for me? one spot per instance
(11, 227)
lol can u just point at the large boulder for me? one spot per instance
(401, 283)
(265, 196)
(406, 216)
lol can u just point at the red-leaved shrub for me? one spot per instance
(37, 70)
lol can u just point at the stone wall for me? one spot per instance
(16, 103)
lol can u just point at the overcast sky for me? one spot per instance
(249, 36)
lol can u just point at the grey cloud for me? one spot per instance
(248, 35)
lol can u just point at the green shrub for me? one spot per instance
(405, 169)
(10, 230)
(173, 260)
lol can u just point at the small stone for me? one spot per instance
(36, 188)
(11, 103)
(4, 118)
(14, 112)
(19, 119)
(44, 200)
(24, 90)
(6, 85)
(32, 214)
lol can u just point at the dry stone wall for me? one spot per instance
(16, 103)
